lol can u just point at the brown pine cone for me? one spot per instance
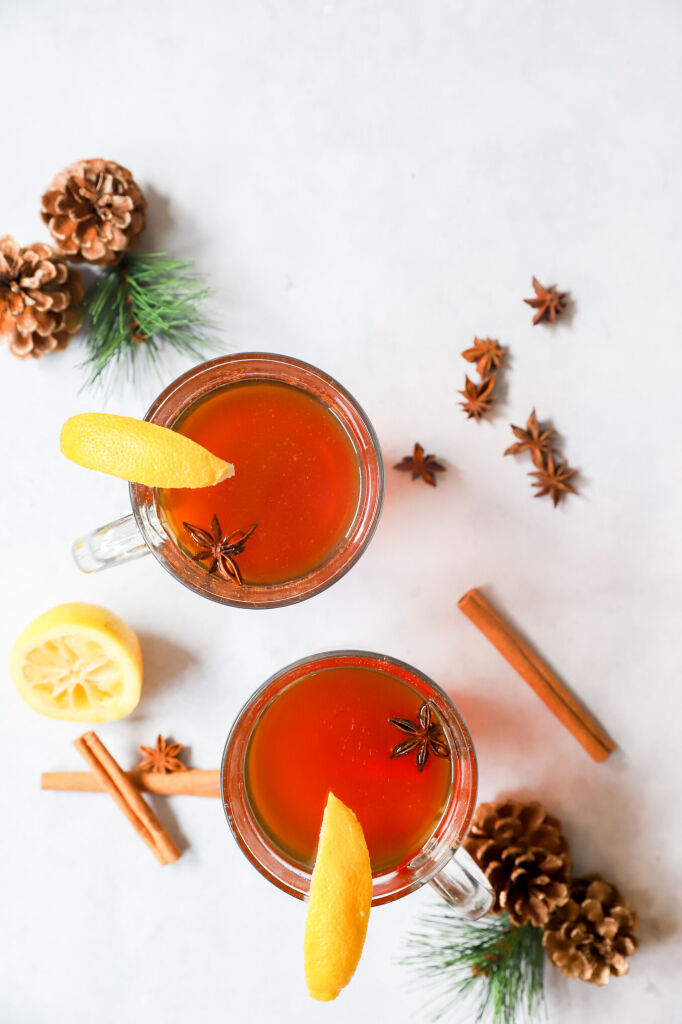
(95, 211)
(591, 936)
(521, 850)
(40, 298)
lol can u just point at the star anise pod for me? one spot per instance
(487, 354)
(553, 480)
(420, 465)
(162, 758)
(532, 439)
(478, 397)
(221, 549)
(424, 736)
(548, 302)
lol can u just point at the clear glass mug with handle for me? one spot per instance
(442, 861)
(144, 531)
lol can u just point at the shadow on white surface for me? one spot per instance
(166, 664)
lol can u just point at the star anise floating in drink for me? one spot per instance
(553, 479)
(548, 302)
(420, 465)
(221, 550)
(488, 355)
(424, 736)
(534, 440)
(478, 398)
(161, 758)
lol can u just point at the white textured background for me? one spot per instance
(367, 185)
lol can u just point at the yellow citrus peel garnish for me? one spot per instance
(140, 452)
(339, 905)
(78, 662)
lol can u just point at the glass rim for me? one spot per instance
(351, 548)
(453, 823)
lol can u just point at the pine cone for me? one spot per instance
(95, 211)
(591, 936)
(40, 296)
(524, 856)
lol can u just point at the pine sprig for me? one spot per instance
(139, 307)
(491, 963)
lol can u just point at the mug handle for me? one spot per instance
(462, 884)
(113, 544)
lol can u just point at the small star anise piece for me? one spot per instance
(221, 550)
(424, 736)
(162, 758)
(420, 465)
(534, 440)
(487, 354)
(548, 302)
(478, 398)
(554, 480)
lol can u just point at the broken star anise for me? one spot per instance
(424, 736)
(548, 302)
(420, 465)
(477, 397)
(534, 440)
(221, 549)
(487, 354)
(162, 758)
(553, 480)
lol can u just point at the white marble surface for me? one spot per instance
(367, 185)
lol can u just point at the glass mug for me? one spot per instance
(442, 861)
(144, 530)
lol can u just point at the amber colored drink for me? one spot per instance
(297, 476)
(329, 730)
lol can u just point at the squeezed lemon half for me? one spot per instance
(140, 452)
(78, 662)
(340, 901)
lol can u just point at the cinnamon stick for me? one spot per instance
(194, 782)
(128, 798)
(539, 677)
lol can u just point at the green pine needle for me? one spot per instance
(491, 963)
(151, 298)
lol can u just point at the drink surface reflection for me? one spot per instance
(330, 731)
(297, 476)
